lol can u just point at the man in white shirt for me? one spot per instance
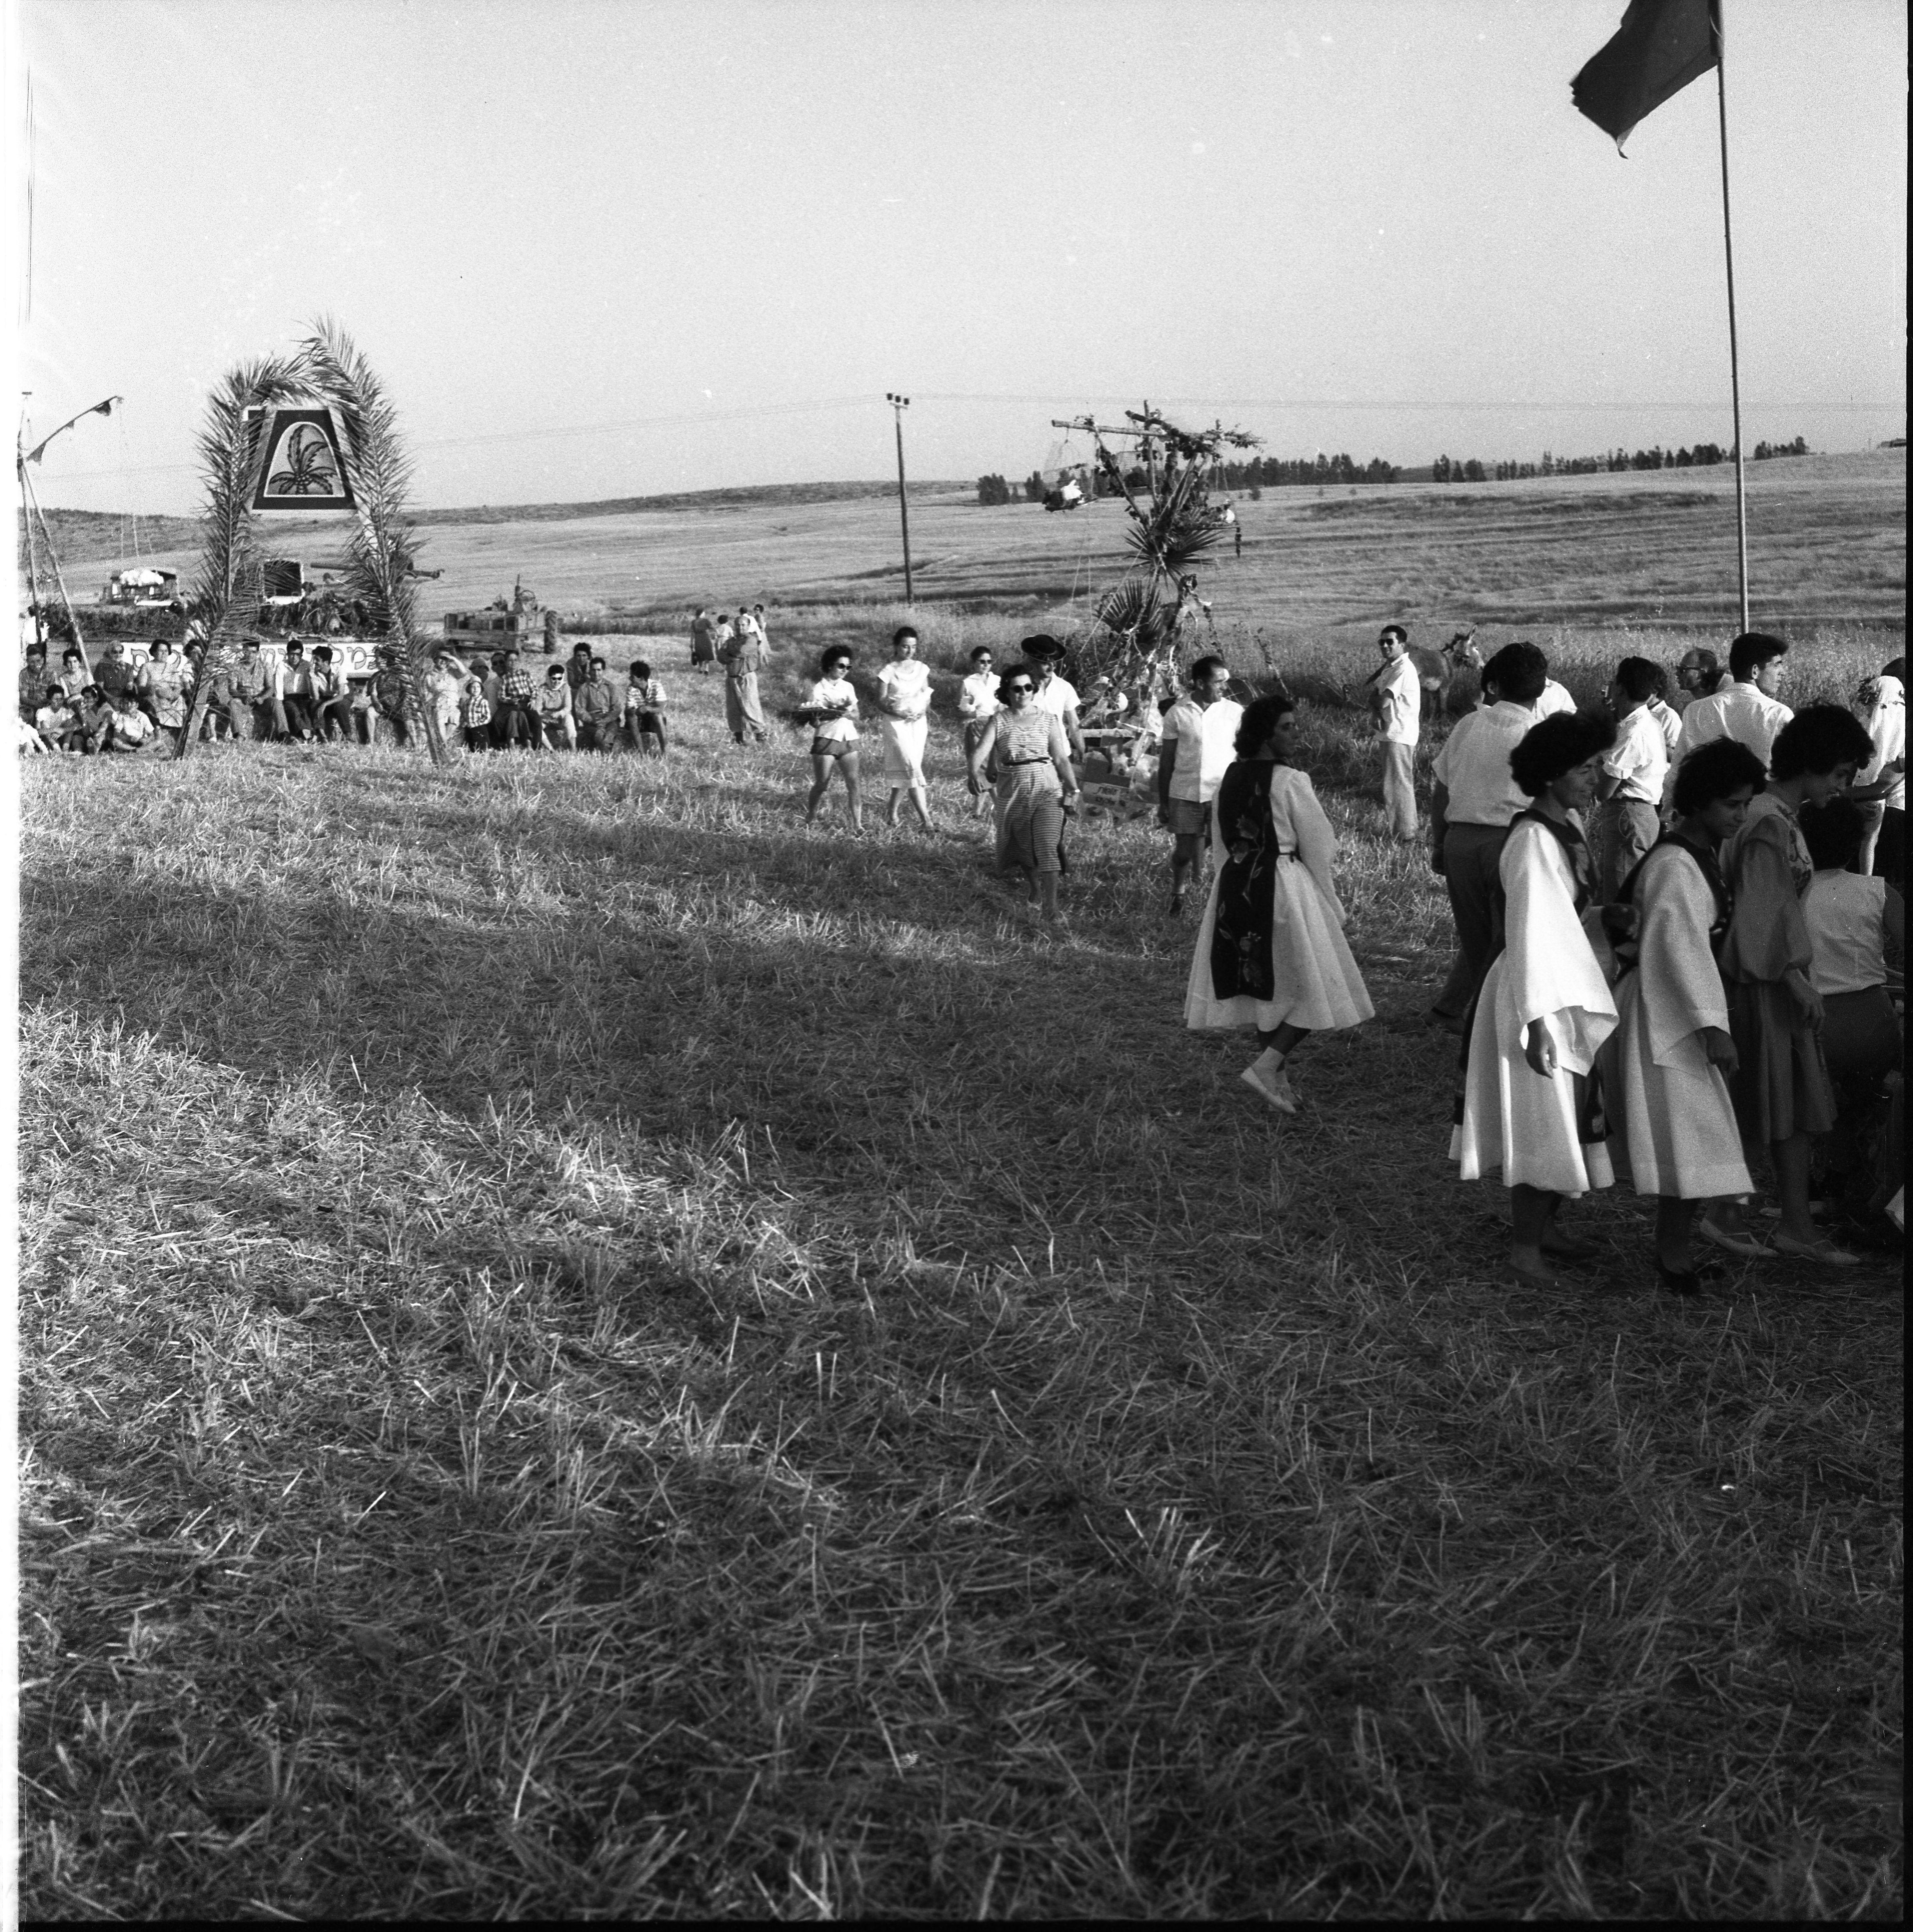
(1054, 693)
(1476, 799)
(1882, 707)
(1396, 696)
(1198, 746)
(1555, 698)
(1749, 709)
(1632, 775)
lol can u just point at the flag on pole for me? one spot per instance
(1662, 46)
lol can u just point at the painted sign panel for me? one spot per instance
(304, 469)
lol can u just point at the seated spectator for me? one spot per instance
(291, 695)
(594, 707)
(27, 741)
(474, 712)
(644, 710)
(159, 687)
(97, 716)
(331, 696)
(134, 733)
(57, 722)
(249, 710)
(552, 712)
(517, 717)
(74, 676)
(115, 673)
(32, 684)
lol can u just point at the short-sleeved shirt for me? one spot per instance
(115, 674)
(33, 681)
(1398, 693)
(645, 694)
(1668, 719)
(977, 700)
(1742, 712)
(1210, 731)
(1638, 759)
(553, 700)
(1473, 765)
(1059, 698)
(1554, 697)
(829, 692)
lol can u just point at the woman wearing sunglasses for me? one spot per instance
(1035, 782)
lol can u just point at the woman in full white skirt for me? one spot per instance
(1270, 953)
(1666, 1065)
(1530, 1103)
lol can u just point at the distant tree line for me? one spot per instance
(1275, 471)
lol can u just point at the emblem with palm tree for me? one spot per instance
(310, 470)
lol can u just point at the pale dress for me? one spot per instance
(1314, 982)
(1515, 1121)
(906, 685)
(1670, 1108)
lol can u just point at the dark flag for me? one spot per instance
(1662, 45)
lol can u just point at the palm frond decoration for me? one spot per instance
(225, 588)
(380, 559)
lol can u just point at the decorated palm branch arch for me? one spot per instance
(1145, 621)
(313, 430)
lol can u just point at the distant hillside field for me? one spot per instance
(1827, 539)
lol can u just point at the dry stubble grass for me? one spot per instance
(590, 1352)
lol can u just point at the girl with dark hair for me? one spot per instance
(1531, 1102)
(1781, 1094)
(831, 711)
(1271, 953)
(1667, 1063)
(903, 698)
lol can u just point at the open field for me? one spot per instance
(588, 1351)
(1827, 537)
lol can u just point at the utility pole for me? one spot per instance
(897, 405)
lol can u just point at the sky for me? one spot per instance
(612, 248)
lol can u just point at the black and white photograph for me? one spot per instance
(959, 954)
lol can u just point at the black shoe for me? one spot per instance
(1686, 1281)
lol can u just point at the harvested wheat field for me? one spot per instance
(590, 1350)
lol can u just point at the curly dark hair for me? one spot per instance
(1716, 770)
(1819, 738)
(1832, 832)
(1258, 719)
(1553, 747)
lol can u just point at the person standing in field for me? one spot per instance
(1666, 718)
(1198, 746)
(1632, 775)
(1532, 1106)
(704, 642)
(1054, 692)
(903, 698)
(1748, 709)
(1881, 707)
(1475, 800)
(1556, 700)
(1036, 785)
(1667, 1064)
(831, 711)
(1697, 675)
(1396, 697)
(1271, 953)
(763, 629)
(743, 656)
(1783, 1095)
(977, 704)
(644, 710)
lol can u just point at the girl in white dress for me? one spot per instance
(903, 697)
(1666, 1065)
(831, 711)
(1271, 953)
(1530, 1100)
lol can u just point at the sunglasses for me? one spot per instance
(1019, 687)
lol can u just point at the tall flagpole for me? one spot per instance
(1733, 334)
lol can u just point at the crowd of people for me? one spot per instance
(1678, 927)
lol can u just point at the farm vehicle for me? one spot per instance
(504, 625)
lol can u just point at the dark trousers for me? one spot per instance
(1889, 853)
(598, 737)
(514, 724)
(335, 711)
(1471, 858)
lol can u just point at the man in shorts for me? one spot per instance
(1198, 746)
